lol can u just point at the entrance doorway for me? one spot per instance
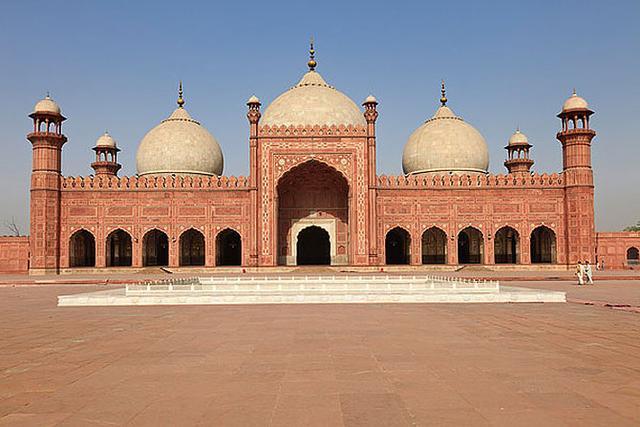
(228, 248)
(155, 249)
(397, 246)
(313, 247)
(470, 246)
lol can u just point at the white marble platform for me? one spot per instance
(312, 290)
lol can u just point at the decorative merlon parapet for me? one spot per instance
(482, 181)
(157, 182)
(312, 131)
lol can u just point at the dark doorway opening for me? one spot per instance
(82, 249)
(313, 247)
(470, 246)
(192, 248)
(397, 246)
(119, 249)
(228, 248)
(155, 249)
(506, 246)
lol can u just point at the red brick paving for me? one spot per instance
(405, 364)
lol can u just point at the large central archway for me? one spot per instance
(313, 247)
(313, 194)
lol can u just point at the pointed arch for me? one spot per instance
(82, 249)
(506, 246)
(434, 246)
(543, 245)
(470, 246)
(118, 249)
(228, 248)
(397, 246)
(192, 248)
(155, 248)
(313, 246)
(633, 256)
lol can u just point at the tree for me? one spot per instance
(633, 227)
(13, 228)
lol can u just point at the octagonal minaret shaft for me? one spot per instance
(47, 141)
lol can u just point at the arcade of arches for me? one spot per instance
(312, 191)
(313, 246)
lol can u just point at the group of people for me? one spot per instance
(584, 273)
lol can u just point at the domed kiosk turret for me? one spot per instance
(445, 144)
(312, 102)
(179, 145)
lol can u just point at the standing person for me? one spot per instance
(580, 273)
(588, 273)
(602, 264)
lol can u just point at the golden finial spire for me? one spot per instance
(574, 91)
(443, 99)
(180, 98)
(312, 57)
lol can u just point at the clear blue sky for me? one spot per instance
(115, 65)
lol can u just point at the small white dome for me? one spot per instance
(312, 102)
(445, 144)
(370, 99)
(106, 141)
(179, 145)
(47, 105)
(575, 102)
(253, 100)
(518, 138)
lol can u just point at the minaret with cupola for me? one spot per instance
(106, 163)
(576, 136)
(47, 141)
(518, 159)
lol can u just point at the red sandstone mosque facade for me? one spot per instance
(313, 195)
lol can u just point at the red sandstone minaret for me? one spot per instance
(106, 163)
(576, 137)
(370, 105)
(47, 141)
(254, 119)
(518, 160)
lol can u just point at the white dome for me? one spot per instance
(106, 141)
(575, 102)
(47, 105)
(445, 143)
(312, 102)
(179, 145)
(518, 138)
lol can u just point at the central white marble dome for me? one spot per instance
(179, 145)
(312, 102)
(445, 144)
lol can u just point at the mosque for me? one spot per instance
(313, 195)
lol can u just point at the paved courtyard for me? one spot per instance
(353, 365)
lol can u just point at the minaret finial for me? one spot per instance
(312, 57)
(180, 98)
(443, 99)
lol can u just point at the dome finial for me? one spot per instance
(443, 99)
(180, 98)
(574, 92)
(312, 57)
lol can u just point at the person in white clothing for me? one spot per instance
(580, 273)
(588, 273)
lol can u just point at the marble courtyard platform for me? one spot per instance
(311, 289)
